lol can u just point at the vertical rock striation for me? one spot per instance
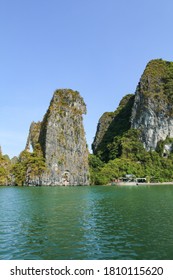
(61, 137)
(149, 111)
(152, 112)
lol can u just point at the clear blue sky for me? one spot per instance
(97, 47)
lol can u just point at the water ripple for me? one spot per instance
(86, 223)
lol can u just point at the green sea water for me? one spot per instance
(86, 223)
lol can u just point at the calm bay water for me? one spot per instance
(86, 222)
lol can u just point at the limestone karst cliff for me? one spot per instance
(149, 111)
(61, 138)
(137, 138)
(152, 112)
(33, 136)
(111, 125)
(5, 165)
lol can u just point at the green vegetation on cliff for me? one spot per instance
(120, 147)
(5, 167)
(111, 125)
(60, 154)
(133, 159)
(157, 81)
(143, 119)
(28, 166)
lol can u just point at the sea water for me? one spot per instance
(96, 222)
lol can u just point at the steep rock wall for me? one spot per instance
(152, 112)
(61, 137)
(33, 137)
(102, 127)
(111, 125)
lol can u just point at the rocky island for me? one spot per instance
(137, 138)
(56, 151)
(61, 139)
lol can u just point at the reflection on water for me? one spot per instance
(86, 222)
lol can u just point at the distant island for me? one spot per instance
(137, 138)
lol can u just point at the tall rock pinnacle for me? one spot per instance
(62, 139)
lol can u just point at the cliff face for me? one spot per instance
(33, 137)
(152, 112)
(138, 137)
(149, 112)
(5, 166)
(111, 125)
(62, 140)
(102, 127)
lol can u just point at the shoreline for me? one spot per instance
(140, 184)
(119, 184)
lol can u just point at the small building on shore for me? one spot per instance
(129, 178)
